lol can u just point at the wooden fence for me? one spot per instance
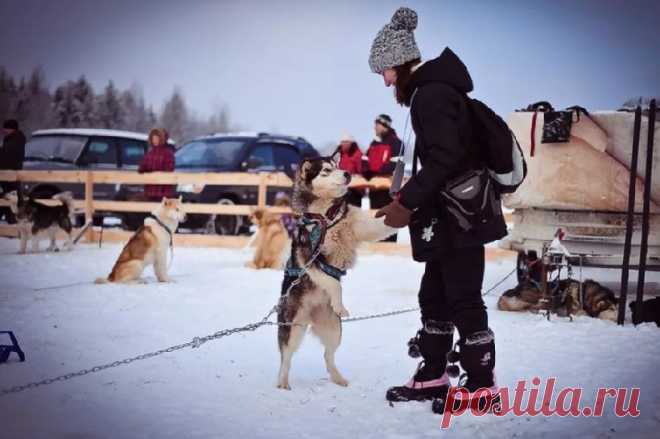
(89, 205)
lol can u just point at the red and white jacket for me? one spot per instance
(382, 155)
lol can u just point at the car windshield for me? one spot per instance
(209, 153)
(54, 148)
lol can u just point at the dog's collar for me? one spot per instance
(335, 213)
(164, 226)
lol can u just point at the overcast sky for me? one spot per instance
(300, 67)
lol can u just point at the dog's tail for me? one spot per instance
(101, 280)
(67, 199)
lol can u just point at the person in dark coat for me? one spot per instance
(350, 160)
(12, 156)
(450, 290)
(380, 161)
(159, 158)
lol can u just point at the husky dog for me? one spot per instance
(323, 247)
(596, 301)
(149, 245)
(525, 296)
(35, 219)
(599, 301)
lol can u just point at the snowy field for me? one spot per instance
(226, 388)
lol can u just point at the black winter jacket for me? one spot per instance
(12, 153)
(443, 129)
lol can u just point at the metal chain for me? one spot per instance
(500, 282)
(196, 342)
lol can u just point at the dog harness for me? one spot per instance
(164, 226)
(309, 234)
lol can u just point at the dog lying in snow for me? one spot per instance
(149, 245)
(35, 219)
(325, 241)
(597, 301)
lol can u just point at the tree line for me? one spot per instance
(75, 104)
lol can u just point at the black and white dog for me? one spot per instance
(35, 219)
(323, 248)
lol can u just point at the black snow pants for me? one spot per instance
(451, 290)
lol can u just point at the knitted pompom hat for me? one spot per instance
(395, 43)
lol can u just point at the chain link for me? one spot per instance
(196, 342)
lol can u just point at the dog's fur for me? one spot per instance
(317, 300)
(35, 219)
(524, 297)
(650, 311)
(271, 240)
(599, 301)
(149, 245)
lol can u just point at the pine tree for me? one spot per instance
(174, 117)
(109, 113)
(63, 105)
(83, 104)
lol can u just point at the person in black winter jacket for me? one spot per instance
(12, 155)
(450, 291)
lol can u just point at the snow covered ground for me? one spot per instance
(226, 388)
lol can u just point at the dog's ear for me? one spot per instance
(305, 168)
(335, 157)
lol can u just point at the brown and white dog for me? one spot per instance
(149, 245)
(35, 219)
(334, 229)
(271, 239)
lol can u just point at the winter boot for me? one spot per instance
(477, 358)
(430, 381)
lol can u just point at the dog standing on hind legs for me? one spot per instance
(149, 245)
(324, 246)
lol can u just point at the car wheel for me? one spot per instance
(224, 224)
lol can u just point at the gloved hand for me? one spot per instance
(396, 215)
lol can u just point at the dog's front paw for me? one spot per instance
(341, 311)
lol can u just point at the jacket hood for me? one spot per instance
(447, 68)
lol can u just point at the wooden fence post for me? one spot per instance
(261, 195)
(89, 204)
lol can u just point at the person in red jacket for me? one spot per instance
(350, 160)
(380, 160)
(159, 158)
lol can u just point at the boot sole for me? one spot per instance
(397, 394)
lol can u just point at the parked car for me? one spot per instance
(237, 152)
(84, 149)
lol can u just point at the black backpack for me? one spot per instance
(498, 146)
(473, 199)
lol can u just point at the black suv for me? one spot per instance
(84, 149)
(238, 152)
